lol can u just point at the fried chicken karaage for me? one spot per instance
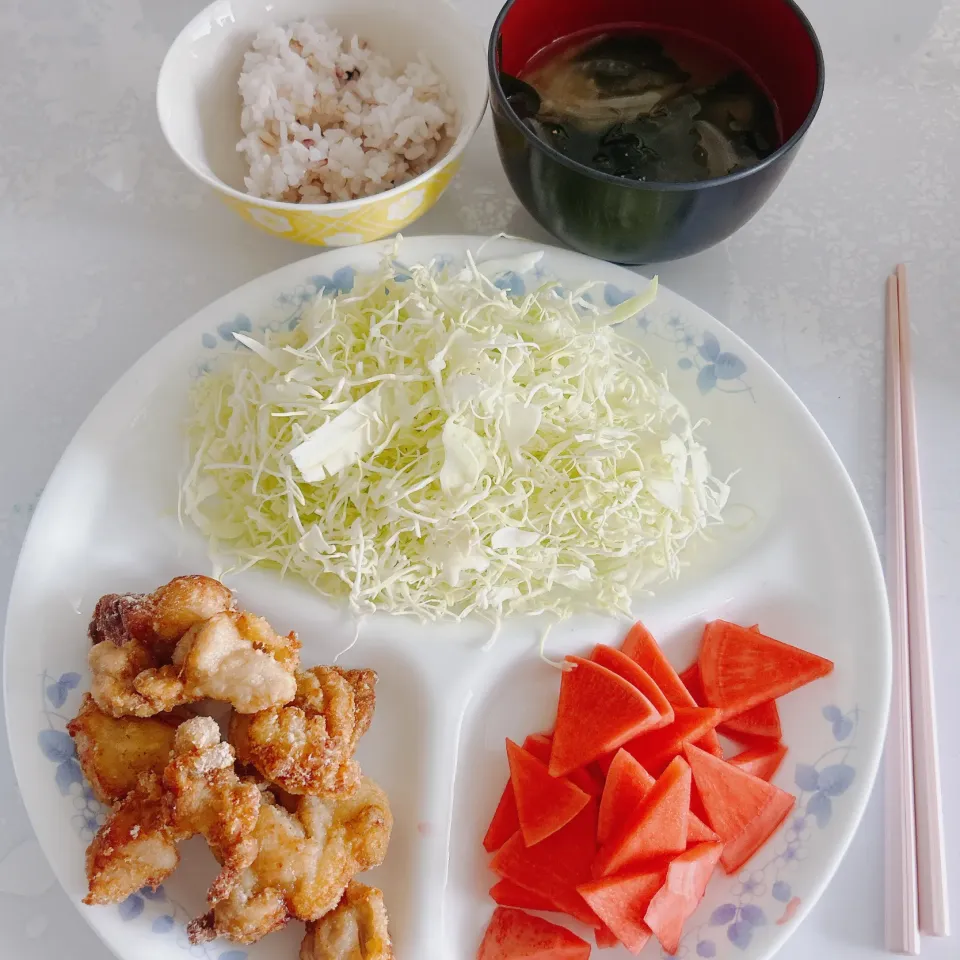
(114, 751)
(305, 860)
(134, 848)
(289, 844)
(306, 746)
(198, 793)
(204, 796)
(355, 930)
(234, 657)
(161, 618)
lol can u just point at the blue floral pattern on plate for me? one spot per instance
(291, 304)
(155, 908)
(764, 894)
(167, 917)
(716, 369)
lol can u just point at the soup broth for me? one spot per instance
(650, 105)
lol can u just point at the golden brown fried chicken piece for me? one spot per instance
(303, 865)
(204, 796)
(161, 618)
(306, 746)
(355, 930)
(134, 848)
(198, 793)
(114, 752)
(234, 657)
(113, 670)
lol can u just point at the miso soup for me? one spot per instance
(650, 105)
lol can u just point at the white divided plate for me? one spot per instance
(802, 564)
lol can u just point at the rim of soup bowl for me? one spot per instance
(671, 186)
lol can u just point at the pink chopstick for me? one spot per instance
(931, 855)
(901, 913)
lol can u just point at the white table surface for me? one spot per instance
(106, 244)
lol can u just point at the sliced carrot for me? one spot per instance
(556, 866)
(691, 680)
(740, 668)
(674, 903)
(505, 822)
(632, 672)
(763, 720)
(626, 786)
(583, 732)
(506, 893)
(711, 743)
(621, 902)
(514, 935)
(605, 938)
(658, 747)
(759, 722)
(657, 828)
(690, 872)
(539, 745)
(698, 831)
(544, 803)
(742, 809)
(762, 760)
(640, 646)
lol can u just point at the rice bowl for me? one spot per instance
(199, 107)
(325, 117)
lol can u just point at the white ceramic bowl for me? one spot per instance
(199, 106)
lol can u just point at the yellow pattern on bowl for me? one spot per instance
(199, 106)
(380, 216)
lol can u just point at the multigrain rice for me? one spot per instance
(327, 118)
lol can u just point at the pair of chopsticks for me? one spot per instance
(916, 881)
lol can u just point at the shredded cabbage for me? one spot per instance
(428, 444)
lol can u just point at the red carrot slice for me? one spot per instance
(544, 803)
(583, 732)
(606, 938)
(690, 678)
(759, 722)
(621, 902)
(556, 866)
(506, 893)
(740, 668)
(632, 672)
(673, 904)
(657, 748)
(742, 809)
(626, 786)
(763, 720)
(641, 647)
(644, 649)
(711, 743)
(505, 822)
(539, 745)
(514, 935)
(657, 828)
(698, 831)
(762, 760)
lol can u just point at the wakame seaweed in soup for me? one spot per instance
(648, 106)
